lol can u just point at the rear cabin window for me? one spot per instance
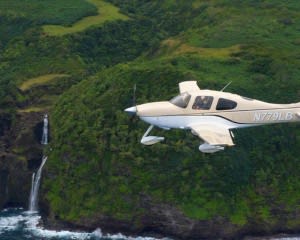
(203, 103)
(226, 104)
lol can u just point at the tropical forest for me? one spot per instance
(83, 62)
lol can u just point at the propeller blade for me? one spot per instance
(134, 95)
(132, 111)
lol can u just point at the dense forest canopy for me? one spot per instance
(96, 164)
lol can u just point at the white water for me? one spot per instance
(20, 224)
(45, 131)
(36, 179)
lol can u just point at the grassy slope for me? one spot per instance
(106, 12)
(96, 144)
(41, 80)
(23, 54)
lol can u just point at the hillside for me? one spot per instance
(98, 175)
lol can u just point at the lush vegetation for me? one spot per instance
(47, 12)
(106, 12)
(96, 164)
(96, 157)
(112, 168)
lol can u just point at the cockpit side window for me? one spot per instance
(181, 100)
(203, 103)
(225, 104)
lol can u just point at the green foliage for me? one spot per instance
(113, 42)
(203, 186)
(106, 12)
(48, 12)
(97, 166)
(12, 27)
(34, 55)
(98, 144)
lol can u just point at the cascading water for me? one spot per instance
(45, 131)
(31, 192)
(33, 199)
(36, 178)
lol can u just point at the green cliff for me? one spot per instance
(98, 175)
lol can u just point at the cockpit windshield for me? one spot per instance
(181, 100)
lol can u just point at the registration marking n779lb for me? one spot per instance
(272, 116)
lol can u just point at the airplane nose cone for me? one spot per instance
(131, 111)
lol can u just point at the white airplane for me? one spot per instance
(211, 115)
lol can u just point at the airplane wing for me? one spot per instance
(213, 134)
(188, 86)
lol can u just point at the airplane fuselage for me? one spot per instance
(246, 113)
(211, 115)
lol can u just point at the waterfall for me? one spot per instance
(31, 192)
(36, 177)
(33, 199)
(45, 131)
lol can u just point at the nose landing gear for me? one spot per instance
(150, 140)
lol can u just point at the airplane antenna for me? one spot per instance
(226, 86)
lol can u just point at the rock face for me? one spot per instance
(161, 220)
(20, 155)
